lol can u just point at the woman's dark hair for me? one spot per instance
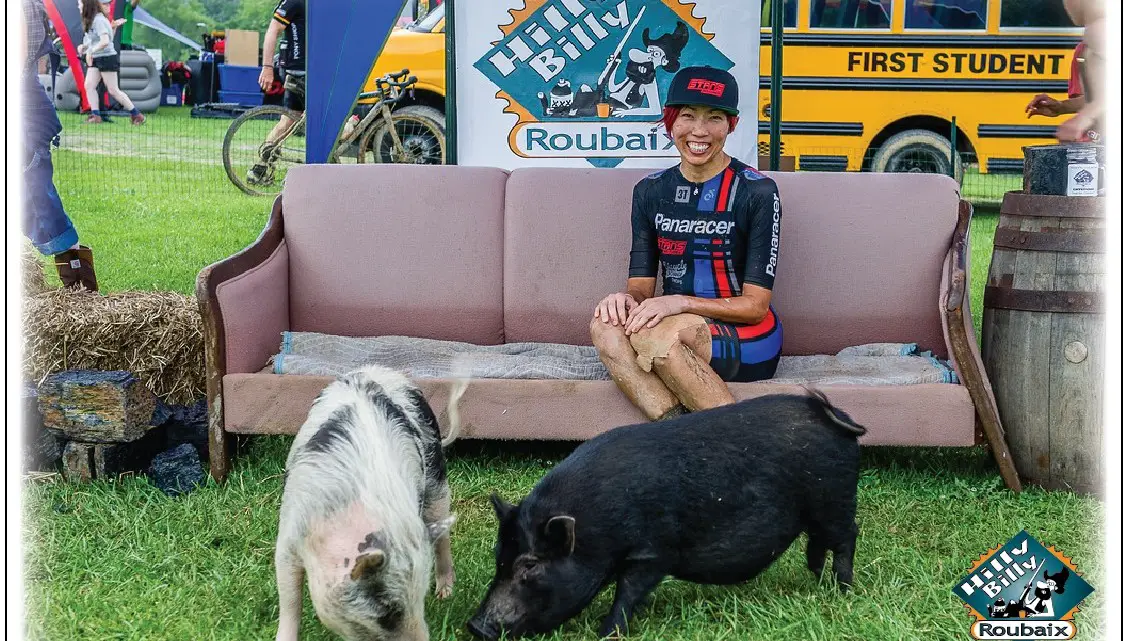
(91, 8)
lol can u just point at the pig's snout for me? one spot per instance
(482, 628)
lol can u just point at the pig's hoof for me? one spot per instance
(611, 630)
(444, 587)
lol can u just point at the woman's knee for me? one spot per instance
(656, 342)
(608, 339)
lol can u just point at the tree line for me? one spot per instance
(185, 16)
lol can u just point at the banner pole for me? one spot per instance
(776, 20)
(451, 86)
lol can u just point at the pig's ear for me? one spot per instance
(368, 565)
(441, 528)
(500, 507)
(560, 534)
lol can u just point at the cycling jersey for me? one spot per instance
(709, 239)
(291, 13)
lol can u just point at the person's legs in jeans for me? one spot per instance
(45, 221)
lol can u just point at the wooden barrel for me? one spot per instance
(1043, 337)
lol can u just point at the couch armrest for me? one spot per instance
(961, 343)
(244, 302)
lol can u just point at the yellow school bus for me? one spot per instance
(874, 84)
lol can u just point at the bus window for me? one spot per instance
(850, 14)
(945, 14)
(789, 13)
(1037, 14)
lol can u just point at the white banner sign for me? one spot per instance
(551, 83)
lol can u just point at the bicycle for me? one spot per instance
(384, 135)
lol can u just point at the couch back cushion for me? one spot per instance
(860, 260)
(396, 249)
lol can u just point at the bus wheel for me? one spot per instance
(917, 151)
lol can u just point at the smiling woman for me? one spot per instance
(711, 224)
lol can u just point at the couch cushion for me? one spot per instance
(860, 261)
(566, 245)
(911, 415)
(396, 249)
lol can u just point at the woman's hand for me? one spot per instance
(615, 308)
(652, 310)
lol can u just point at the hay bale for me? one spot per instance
(31, 264)
(158, 336)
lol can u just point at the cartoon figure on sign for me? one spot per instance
(640, 85)
(562, 102)
(1039, 603)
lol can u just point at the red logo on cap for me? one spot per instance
(710, 87)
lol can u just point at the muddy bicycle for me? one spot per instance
(257, 152)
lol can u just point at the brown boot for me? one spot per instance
(76, 268)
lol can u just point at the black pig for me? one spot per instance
(711, 497)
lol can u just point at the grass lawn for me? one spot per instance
(119, 560)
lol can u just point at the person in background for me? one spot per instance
(45, 221)
(289, 16)
(127, 24)
(103, 62)
(1084, 85)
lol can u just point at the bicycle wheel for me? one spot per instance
(258, 168)
(422, 139)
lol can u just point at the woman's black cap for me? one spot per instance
(704, 86)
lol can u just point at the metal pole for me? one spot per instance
(776, 26)
(451, 87)
(953, 142)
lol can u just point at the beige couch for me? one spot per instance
(488, 256)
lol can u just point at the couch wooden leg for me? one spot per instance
(218, 441)
(974, 380)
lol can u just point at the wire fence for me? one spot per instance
(181, 152)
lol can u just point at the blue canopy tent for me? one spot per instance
(344, 37)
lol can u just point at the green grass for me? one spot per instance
(119, 560)
(153, 201)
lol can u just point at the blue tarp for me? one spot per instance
(344, 39)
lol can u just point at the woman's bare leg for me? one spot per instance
(643, 388)
(120, 96)
(678, 350)
(93, 77)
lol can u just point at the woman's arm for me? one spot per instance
(748, 309)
